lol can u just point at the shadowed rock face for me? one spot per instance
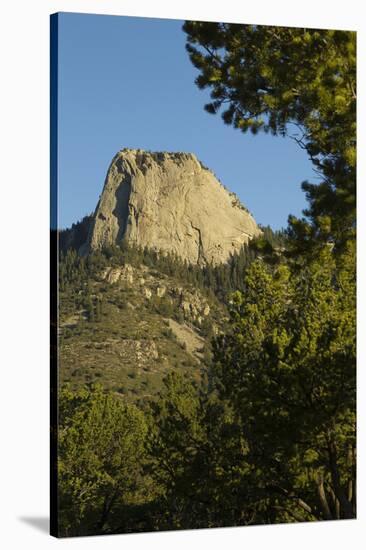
(170, 202)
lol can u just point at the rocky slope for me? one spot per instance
(144, 325)
(170, 202)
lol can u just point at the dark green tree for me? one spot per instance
(100, 457)
(198, 458)
(76, 235)
(287, 367)
(290, 81)
(89, 306)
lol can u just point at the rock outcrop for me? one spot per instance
(192, 304)
(170, 202)
(116, 274)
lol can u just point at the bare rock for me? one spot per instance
(169, 202)
(115, 274)
(147, 293)
(160, 291)
(192, 304)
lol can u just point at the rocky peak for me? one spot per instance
(170, 202)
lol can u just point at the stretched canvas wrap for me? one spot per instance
(203, 305)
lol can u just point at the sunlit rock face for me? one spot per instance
(172, 203)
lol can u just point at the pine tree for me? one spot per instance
(290, 81)
(287, 366)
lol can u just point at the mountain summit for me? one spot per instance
(169, 202)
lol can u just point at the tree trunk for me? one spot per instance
(322, 497)
(107, 506)
(346, 506)
(335, 503)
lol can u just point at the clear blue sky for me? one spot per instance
(128, 82)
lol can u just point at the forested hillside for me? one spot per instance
(258, 424)
(130, 316)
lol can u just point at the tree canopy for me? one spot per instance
(270, 433)
(287, 366)
(100, 458)
(296, 82)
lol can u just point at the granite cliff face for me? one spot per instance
(170, 202)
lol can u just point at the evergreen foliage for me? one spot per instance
(287, 366)
(269, 435)
(290, 81)
(219, 280)
(76, 235)
(100, 458)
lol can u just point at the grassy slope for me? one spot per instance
(135, 341)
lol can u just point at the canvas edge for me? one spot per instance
(54, 508)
